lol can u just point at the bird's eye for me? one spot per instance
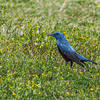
(57, 34)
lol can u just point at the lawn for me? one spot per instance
(31, 68)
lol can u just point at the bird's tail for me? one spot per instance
(85, 59)
(92, 61)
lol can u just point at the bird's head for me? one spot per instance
(57, 35)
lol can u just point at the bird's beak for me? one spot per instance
(50, 34)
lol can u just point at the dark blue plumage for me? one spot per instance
(67, 51)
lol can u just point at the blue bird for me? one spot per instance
(67, 51)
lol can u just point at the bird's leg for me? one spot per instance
(71, 64)
(66, 62)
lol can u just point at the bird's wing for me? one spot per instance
(66, 49)
(70, 53)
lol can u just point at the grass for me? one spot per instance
(31, 67)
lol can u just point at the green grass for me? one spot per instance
(31, 67)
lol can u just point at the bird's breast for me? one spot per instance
(63, 55)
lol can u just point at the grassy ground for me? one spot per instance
(31, 67)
